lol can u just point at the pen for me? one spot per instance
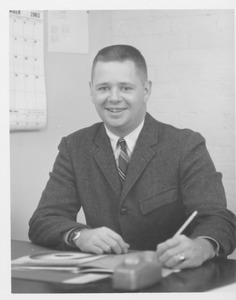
(186, 223)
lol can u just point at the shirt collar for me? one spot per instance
(130, 139)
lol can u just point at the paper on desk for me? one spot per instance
(75, 262)
(55, 258)
(64, 268)
(86, 278)
(166, 272)
(45, 268)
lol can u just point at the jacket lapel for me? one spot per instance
(106, 161)
(142, 154)
(141, 157)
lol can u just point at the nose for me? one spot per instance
(114, 94)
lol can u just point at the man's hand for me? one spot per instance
(182, 252)
(101, 240)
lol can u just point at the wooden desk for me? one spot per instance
(213, 274)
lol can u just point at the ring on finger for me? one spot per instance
(180, 257)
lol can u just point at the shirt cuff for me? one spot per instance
(215, 244)
(66, 235)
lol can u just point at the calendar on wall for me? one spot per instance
(28, 107)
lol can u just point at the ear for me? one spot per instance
(147, 90)
(91, 89)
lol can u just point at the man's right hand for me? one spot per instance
(101, 240)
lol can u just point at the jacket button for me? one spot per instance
(124, 210)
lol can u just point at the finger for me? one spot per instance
(95, 250)
(117, 246)
(170, 249)
(91, 241)
(189, 263)
(104, 246)
(184, 265)
(171, 252)
(112, 244)
(168, 255)
(120, 245)
(175, 261)
(170, 243)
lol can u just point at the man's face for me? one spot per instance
(119, 95)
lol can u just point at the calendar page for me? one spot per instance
(28, 109)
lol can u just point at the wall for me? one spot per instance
(32, 154)
(191, 64)
(190, 55)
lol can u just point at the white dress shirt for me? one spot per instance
(130, 139)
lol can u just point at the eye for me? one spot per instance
(103, 88)
(126, 88)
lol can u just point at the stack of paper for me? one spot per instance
(89, 267)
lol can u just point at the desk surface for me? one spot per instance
(213, 274)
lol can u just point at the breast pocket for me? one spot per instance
(158, 200)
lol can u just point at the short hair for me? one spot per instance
(122, 53)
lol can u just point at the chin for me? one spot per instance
(115, 123)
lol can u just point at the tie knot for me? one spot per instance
(122, 143)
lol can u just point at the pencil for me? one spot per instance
(186, 223)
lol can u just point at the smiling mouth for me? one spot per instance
(115, 110)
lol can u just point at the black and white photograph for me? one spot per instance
(121, 133)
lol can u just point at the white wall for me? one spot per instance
(33, 153)
(190, 57)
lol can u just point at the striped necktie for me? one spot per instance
(123, 159)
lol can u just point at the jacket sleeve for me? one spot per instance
(202, 190)
(59, 204)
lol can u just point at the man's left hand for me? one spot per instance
(182, 252)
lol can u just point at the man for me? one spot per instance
(138, 190)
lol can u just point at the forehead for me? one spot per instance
(117, 65)
(115, 69)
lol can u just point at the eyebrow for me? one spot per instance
(120, 83)
(101, 84)
(127, 83)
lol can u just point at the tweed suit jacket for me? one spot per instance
(169, 176)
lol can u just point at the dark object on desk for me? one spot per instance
(137, 272)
